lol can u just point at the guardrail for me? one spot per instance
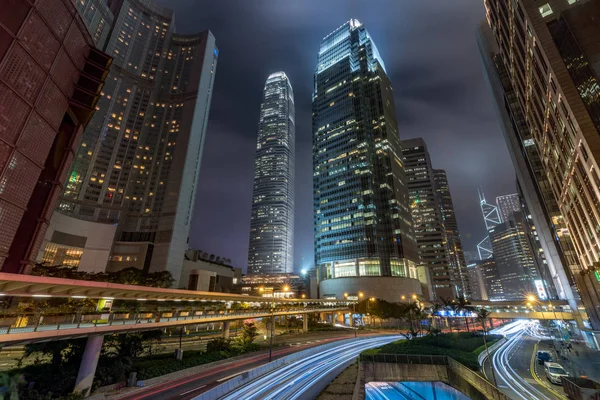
(483, 355)
(245, 378)
(31, 327)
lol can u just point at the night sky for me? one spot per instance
(431, 56)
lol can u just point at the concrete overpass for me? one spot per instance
(542, 310)
(121, 308)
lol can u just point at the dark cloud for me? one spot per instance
(431, 56)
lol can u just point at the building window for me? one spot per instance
(545, 10)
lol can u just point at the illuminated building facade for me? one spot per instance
(363, 225)
(138, 161)
(514, 258)
(427, 218)
(508, 204)
(491, 218)
(271, 248)
(548, 53)
(491, 279)
(50, 80)
(456, 255)
(477, 289)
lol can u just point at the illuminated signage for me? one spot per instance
(541, 291)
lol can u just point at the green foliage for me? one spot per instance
(127, 276)
(218, 344)
(247, 335)
(464, 347)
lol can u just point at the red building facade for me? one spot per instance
(50, 80)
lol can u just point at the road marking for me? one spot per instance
(193, 390)
(537, 378)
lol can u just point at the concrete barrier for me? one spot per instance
(249, 376)
(483, 355)
(409, 367)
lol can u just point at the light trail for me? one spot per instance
(293, 380)
(504, 371)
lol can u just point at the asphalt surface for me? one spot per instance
(190, 386)
(517, 372)
(305, 378)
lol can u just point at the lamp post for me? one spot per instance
(533, 299)
(272, 329)
(353, 311)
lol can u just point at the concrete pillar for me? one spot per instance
(89, 362)
(491, 323)
(226, 329)
(304, 323)
(340, 318)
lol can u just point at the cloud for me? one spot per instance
(431, 57)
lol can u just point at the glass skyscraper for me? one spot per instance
(363, 225)
(272, 223)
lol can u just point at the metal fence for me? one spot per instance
(405, 359)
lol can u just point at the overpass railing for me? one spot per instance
(40, 322)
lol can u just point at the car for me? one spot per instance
(543, 356)
(554, 372)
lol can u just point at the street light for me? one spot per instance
(403, 297)
(353, 311)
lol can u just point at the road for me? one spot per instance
(190, 386)
(305, 378)
(517, 372)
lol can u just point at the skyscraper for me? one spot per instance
(508, 204)
(545, 57)
(50, 80)
(491, 279)
(456, 255)
(363, 229)
(491, 218)
(425, 203)
(130, 194)
(555, 250)
(514, 257)
(272, 223)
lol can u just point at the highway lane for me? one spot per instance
(515, 364)
(190, 386)
(305, 378)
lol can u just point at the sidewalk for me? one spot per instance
(585, 361)
(581, 361)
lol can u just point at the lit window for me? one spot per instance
(545, 10)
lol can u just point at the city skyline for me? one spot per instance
(223, 205)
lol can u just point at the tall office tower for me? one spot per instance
(129, 197)
(363, 229)
(491, 218)
(546, 55)
(491, 279)
(476, 282)
(456, 255)
(514, 257)
(50, 80)
(508, 204)
(272, 223)
(427, 218)
(559, 257)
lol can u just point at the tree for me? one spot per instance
(247, 335)
(482, 316)
(463, 305)
(61, 352)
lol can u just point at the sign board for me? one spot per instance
(541, 291)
